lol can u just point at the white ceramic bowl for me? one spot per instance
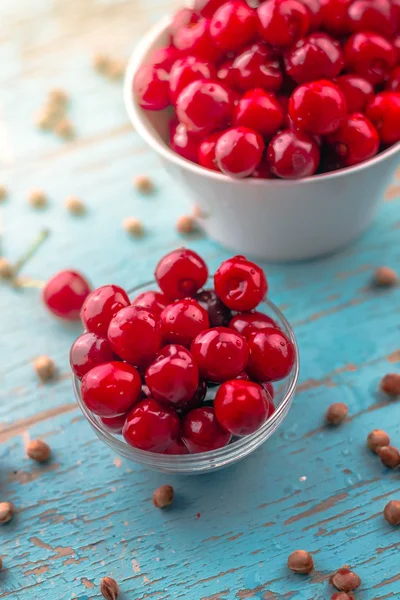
(269, 219)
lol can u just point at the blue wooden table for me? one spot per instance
(88, 513)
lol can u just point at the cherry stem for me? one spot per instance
(43, 235)
(22, 282)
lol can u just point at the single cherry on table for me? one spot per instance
(65, 293)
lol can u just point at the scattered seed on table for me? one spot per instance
(75, 205)
(389, 456)
(101, 62)
(45, 367)
(44, 120)
(133, 226)
(143, 184)
(377, 438)
(64, 129)
(3, 192)
(186, 224)
(385, 277)
(37, 199)
(163, 496)
(58, 96)
(6, 512)
(300, 561)
(109, 588)
(390, 384)
(392, 512)
(345, 580)
(336, 413)
(6, 269)
(116, 69)
(38, 450)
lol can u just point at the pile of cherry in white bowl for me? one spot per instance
(146, 365)
(278, 88)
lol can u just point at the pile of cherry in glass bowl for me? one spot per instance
(184, 369)
(287, 88)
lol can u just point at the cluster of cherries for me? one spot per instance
(148, 366)
(287, 89)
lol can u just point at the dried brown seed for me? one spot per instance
(392, 512)
(143, 184)
(58, 96)
(133, 226)
(342, 596)
(75, 205)
(115, 69)
(385, 277)
(65, 129)
(389, 456)
(101, 62)
(345, 580)
(37, 199)
(45, 367)
(163, 496)
(186, 224)
(377, 438)
(3, 192)
(6, 512)
(43, 120)
(390, 384)
(38, 450)
(109, 588)
(300, 561)
(6, 269)
(336, 413)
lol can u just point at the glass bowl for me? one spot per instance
(192, 464)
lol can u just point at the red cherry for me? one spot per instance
(239, 151)
(293, 154)
(201, 431)
(240, 283)
(206, 153)
(151, 426)
(233, 25)
(181, 273)
(111, 389)
(355, 141)
(396, 46)
(357, 92)
(218, 313)
(318, 107)
(372, 15)
(263, 171)
(369, 55)
(246, 323)
(204, 106)
(315, 57)
(154, 301)
(65, 293)
(272, 355)
(176, 447)
(283, 22)
(334, 16)
(185, 71)
(164, 58)
(135, 335)
(396, 13)
(151, 88)
(182, 321)
(260, 111)
(207, 7)
(241, 407)
(194, 38)
(173, 377)
(89, 351)
(393, 83)
(314, 7)
(256, 67)
(225, 74)
(183, 143)
(220, 353)
(114, 424)
(182, 18)
(101, 306)
(384, 112)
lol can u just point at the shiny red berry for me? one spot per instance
(318, 107)
(334, 16)
(204, 106)
(176, 447)
(233, 25)
(173, 376)
(396, 45)
(357, 92)
(65, 293)
(183, 143)
(185, 71)
(393, 83)
(272, 355)
(181, 273)
(181, 19)
(220, 353)
(372, 15)
(111, 389)
(246, 323)
(101, 306)
(114, 424)
(241, 407)
(135, 335)
(201, 431)
(218, 313)
(89, 351)
(283, 22)
(206, 153)
(256, 67)
(314, 8)
(240, 283)
(154, 301)
(260, 111)
(355, 141)
(239, 151)
(151, 426)
(369, 55)
(182, 321)
(293, 155)
(164, 58)
(151, 88)
(384, 112)
(314, 57)
(207, 7)
(194, 39)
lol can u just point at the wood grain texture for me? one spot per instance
(88, 513)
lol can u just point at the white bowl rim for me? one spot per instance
(138, 120)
